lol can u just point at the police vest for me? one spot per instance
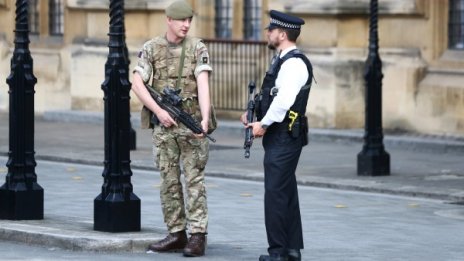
(265, 97)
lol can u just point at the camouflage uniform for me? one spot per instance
(160, 60)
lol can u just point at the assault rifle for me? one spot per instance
(250, 117)
(171, 102)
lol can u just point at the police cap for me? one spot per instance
(179, 10)
(283, 20)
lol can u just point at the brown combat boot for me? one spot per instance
(174, 242)
(196, 245)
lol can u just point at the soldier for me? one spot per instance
(280, 111)
(178, 61)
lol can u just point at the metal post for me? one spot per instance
(117, 208)
(133, 134)
(21, 197)
(373, 160)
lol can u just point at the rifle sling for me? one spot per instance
(181, 64)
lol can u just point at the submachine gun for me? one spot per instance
(250, 118)
(171, 102)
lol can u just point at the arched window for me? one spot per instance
(456, 25)
(223, 19)
(56, 17)
(252, 19)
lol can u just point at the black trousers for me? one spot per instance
(281, 205)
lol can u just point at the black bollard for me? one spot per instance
(21, 197)
(373, 160)
(133, 134)
(117, 208)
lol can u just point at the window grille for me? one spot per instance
(33, 16)
(252, 20)
(223, 19)
(56, 19)
(456, 24)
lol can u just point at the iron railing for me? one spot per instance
(235, 63)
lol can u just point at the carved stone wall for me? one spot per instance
(422, 85)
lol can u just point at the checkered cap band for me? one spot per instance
(274, 21)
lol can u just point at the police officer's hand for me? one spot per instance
(258, 130)
(165, 119)
(244, 119)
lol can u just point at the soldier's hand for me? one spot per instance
(204, 127)
(165, 119)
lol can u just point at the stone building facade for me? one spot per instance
(423, 84)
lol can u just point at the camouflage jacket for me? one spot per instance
(159, 60)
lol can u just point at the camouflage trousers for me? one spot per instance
(171, 145)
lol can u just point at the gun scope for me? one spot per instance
(172, 96)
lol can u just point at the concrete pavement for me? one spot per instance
(337, 224)
(430, 169)
(426, 166)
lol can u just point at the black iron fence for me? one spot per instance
(235, 63)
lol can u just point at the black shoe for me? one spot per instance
(273, 257)
(294, 255)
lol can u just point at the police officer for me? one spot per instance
(178, 61)
(280, 109)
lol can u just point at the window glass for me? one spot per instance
(223, 19)
(252, 20)
(56, 18)
(456, 24)
(33, 16)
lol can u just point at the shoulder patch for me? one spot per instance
(204, 58)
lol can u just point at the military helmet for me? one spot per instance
(179, 10)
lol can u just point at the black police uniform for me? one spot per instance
(282, 152)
